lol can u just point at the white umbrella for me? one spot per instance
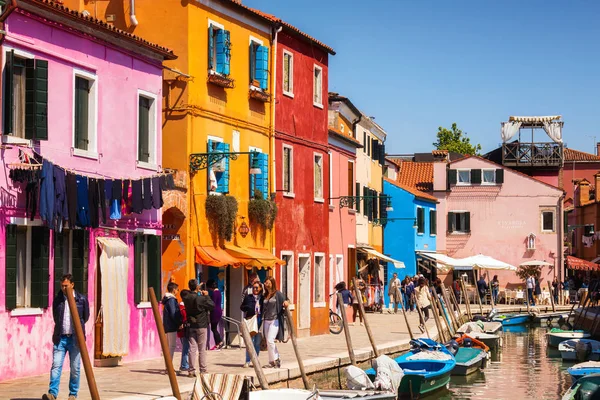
(486, 262)
(536, 262)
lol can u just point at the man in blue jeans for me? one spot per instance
(64, 338)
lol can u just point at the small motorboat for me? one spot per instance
(586, 388)
(550, 318)
(426, 367)
(355, 394)
(470, 354)
(580, 349)
(513, 319)
(277, 394)
(491, 327)
(556, 336)
(583, 369)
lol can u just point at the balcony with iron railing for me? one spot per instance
(518, 154)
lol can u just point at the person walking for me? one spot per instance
(171, 316)
(537, 291)
(216, 314)
(555, 286)
(422, 298)
(184, 366)
(394, 293)
(530, 283)
(409, 288)
(495, 288)
(197, 306)
(252, 305)
(64, 340)
(273, 305)
(347, 299)
(482, 288)
(355, 307)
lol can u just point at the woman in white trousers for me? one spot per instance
(273, 312)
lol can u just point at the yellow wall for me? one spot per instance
(376, 183)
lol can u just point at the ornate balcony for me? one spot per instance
(518, 154)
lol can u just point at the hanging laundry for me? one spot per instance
(83, 202)
(170, 182)
(71, 186)
(117, 190)
(157, 200)
(163, 182)
(61, 209)
(115, 209)
(94, 202)
(125, 200)
(108, 184)
(588, 241)
(147, 194)
(47, 193)
(102, 203)
(31, 194)
(137, 205)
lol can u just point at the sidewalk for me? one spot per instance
(145, 380)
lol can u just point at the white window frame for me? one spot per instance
(290, 193)
(316, 103)
(152, 164)
(6, 137)
(318, 199)
(458, 182)
(323, 273)
(331, 299)
(217, 25)
(26, 303)
(459, 212)
(289, 93)
(483, 171)
(260, 43)
(330, 170)
(547, 210)
(92, 151)
(144, 272)
(335, 263)
(218, 140)
(291, 279)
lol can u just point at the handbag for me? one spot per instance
(252, 325)
(263, 344)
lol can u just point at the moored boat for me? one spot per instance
(586, 388)
(549, 318)
(513, 319)
(471, 355)
(355, 394)
(580, 349)
(491, 327)
(556, 336)
(580, 370)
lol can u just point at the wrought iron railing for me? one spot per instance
(517, 154)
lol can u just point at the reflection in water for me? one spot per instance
(523, 369)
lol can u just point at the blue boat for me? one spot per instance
(513, 319)
(427, 368)
(585, 388)
(583, 369)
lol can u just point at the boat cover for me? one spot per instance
(389, 374)
(430, 355)
(357, 379)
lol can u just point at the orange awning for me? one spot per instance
(254, 257)
(215, 257)
(578, 263)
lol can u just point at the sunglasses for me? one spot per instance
(256, 288)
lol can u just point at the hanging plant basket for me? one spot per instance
(262, 213)
(221, 212)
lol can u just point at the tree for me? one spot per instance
(455, 140)
(525, 271)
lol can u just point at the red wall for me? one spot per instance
(580, 171)
(302, 224)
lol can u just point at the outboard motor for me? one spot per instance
(452, 347)
(492, 314)
(583, 351)
(467, 342)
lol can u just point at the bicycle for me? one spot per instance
(336, 325)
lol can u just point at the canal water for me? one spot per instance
(524, 368)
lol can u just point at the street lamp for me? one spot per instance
(254, 167)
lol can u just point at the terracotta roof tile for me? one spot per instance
(99, 24)
(418, 175)
(576, 155)
(417, 193)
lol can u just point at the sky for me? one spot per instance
(419, 64)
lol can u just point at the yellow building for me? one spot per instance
(218, 128)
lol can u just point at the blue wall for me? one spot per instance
(400, 238)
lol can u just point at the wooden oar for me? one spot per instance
(436, 317)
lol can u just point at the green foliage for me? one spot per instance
(455, 140)
(261, 214)
(221, 212)
(525, 271)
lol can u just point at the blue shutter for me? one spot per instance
(262, 66)
(209, 167)
(227, 51)
(264, 169)
(211, 47)
(259, 178)
(223, 177)
(222, 43)
(252, 177)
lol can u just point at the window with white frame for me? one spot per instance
(318, 177)
(330, 164)
(219, 49)
(14, 95)
(488, 177)
(146, 129)
(287, 275)
(548, 221)
(464, 176)
(147, 266)
(84, 113)
(23, 267)
(288, 170)
(288, 73)
(459, 222)
(319, 287)
(318, 86)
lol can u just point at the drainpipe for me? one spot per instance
(276, 29)
(561, 238)
(133, 19)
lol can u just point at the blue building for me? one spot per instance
(409, 229)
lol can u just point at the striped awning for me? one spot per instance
(254, 257)
(215, 257)
(536, 119)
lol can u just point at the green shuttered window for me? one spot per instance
(147, 266)
(432, 222)
(420, 220)
(82, 112)
(144, 104)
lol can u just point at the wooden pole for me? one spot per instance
(468, 301)
(551, 297)
(340, 300)
(361, 308)
(450, 308)
(580, 314)
(410, 333)
(290, 323)
(479, 301)
(260, 374)
(436, 317)
(85, 357)
(445, 315)
(164, 345)
(528, 299)
(492, 302)
(590, 302)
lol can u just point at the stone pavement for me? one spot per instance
(145, 380)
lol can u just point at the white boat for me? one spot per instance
(556, 336)
(300, 394)
(490, 327)
(580, 349)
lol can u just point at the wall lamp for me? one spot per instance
(350, 201)
(200, 161)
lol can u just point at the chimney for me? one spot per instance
(583, 195)
(598, 149)
(597, 186)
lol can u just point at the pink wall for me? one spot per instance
(501, 218)
(25, 341)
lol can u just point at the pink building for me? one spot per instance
(487, 209)
(86, 98)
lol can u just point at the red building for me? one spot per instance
(302, 176)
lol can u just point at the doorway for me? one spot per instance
(304, 291)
